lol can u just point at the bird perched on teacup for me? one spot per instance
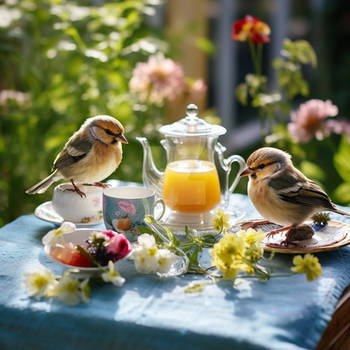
(91, 154)
(281, 193)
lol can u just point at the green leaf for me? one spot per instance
(255, 83)
(144, 229)
(242, 93)
(205, 45)
(342, 193)
(299, 51)
(87, 255)
(341, 159)
(312, 170)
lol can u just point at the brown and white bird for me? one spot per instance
(281, 193)
(91, 154)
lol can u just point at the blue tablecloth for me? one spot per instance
(153, 313)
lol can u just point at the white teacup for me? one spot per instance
(72, 207)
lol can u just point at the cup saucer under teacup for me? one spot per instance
(46, 212)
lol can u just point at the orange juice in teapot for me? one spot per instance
(191, 186)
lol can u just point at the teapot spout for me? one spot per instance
(151, 176)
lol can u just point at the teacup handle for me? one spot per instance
(160, 201)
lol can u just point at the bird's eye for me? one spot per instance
(261, 166)
(109, 132)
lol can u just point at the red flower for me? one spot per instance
(251, 28)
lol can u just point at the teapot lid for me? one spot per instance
(191, 125)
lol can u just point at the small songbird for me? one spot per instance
(281, 193)
(91, 154)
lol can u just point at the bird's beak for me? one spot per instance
(246, 172)
(122, 139)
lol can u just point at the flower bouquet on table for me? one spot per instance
(159, 251)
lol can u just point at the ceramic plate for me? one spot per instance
(79, 236)
(46, 212)
(332, 236)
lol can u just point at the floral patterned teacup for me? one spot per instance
(124, 208)
(78, 209)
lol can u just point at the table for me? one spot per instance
(284, 313)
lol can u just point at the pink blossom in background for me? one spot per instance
(157, 80)
(309, 120)
(119, 246)
(128, 207)
(197, 90)
(341, 126)
(18, 96)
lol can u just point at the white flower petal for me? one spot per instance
(51, 237)
(146, 240)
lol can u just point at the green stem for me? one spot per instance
(256, 53)
(259, 59)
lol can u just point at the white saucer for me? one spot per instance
(46, 212)
(78, 236)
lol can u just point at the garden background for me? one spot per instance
(64, 61)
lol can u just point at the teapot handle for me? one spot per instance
(226, 165)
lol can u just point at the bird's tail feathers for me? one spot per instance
(43, 185)
(341, 212)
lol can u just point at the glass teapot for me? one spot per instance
(190, 185)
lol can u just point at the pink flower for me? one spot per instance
(197, 90)
(341, 126)
(119, 247)
(110, 234)
(157, 80)
(309, 120)
(19, 97)
(128, 207)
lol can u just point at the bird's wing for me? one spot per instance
(74, 150)
(295, 188)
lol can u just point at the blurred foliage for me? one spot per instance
(291, 82)
(62, 63)
(324, 161)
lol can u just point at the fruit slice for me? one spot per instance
(68, 254)
(79, 260)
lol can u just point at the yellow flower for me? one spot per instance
(227, 255)
(253, 239)
(238, 252)
(36, 283)
(113, 276)
(220, 220)
(309, 264)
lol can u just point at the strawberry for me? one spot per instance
(78, 260)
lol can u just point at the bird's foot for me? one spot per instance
(274, 232)
(254, 224)
(76, 189)
(293, 235)
(98, 184)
